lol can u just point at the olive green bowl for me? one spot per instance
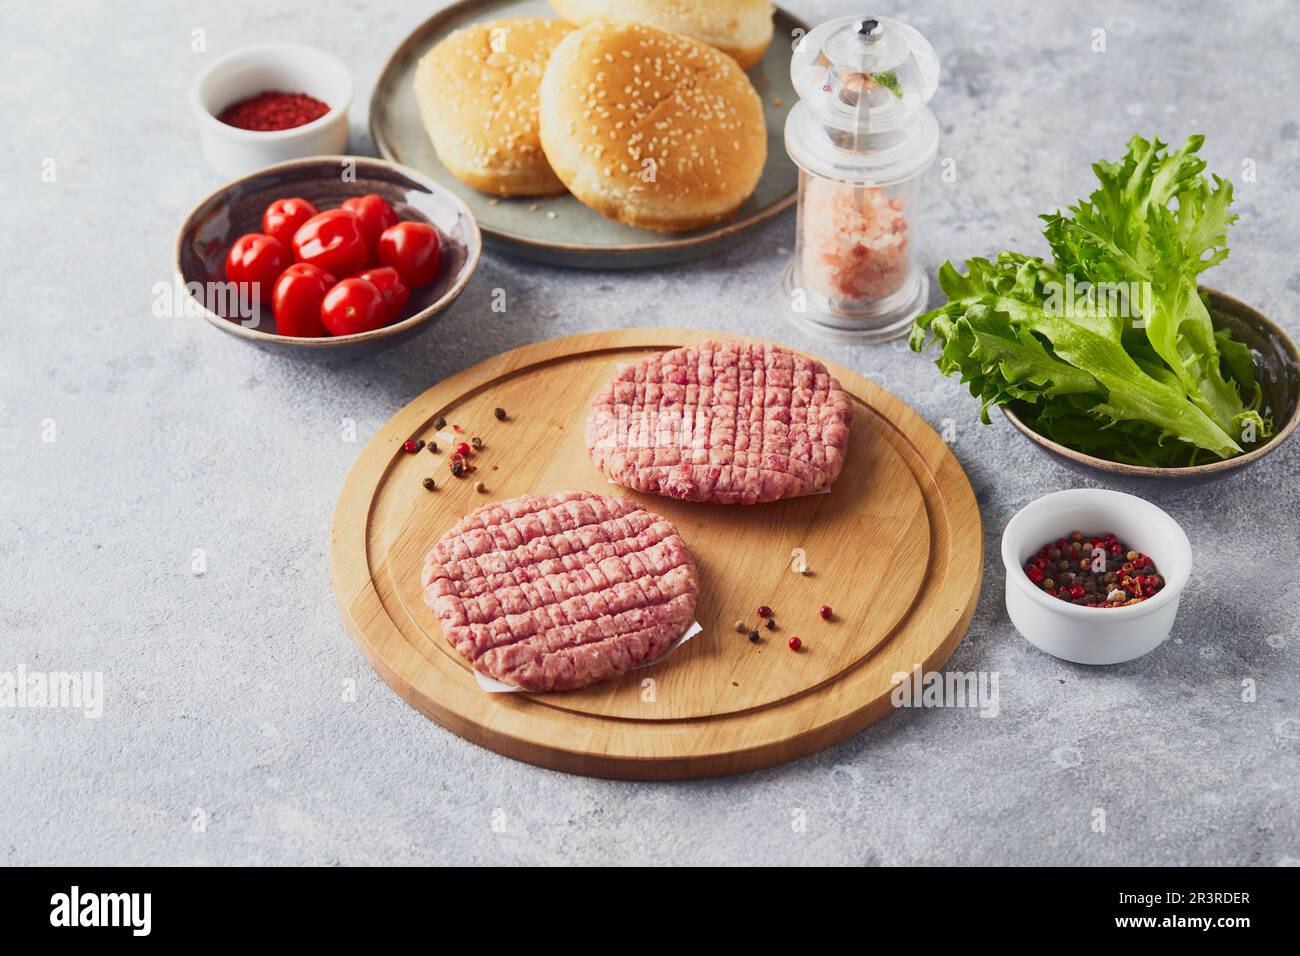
(1277, 369)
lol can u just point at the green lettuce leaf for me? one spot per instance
(1128, 232)
(1108, 346)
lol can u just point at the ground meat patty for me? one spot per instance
(555, 592)
(731, 423)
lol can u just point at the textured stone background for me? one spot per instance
(224, 692)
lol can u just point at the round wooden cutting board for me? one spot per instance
(895, 548)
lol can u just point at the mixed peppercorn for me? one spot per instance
(458, 462)
(767, 617)
(1094, 571)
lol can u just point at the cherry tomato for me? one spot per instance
(414, 250)
(333, 241)
(254, 262)
(375, 215)
(297, 300)
(284, 217)
(387, 280)
(352, 306)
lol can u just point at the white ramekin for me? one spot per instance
(1094, 635)
(289, 68)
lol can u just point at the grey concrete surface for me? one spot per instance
(240, 725)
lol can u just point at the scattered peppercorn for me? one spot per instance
(770, 624)
(419, 445)
(480, 488)
(408, 446)
(500, 413)
(764, 611)
(440, 422)
(458, 467)
(433, 449)
(741, 627)
(795, 643)
(462, 449)
(827, 613)
(753, 637)
(477, 443)
(430, 484)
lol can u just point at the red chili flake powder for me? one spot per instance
(273, 110)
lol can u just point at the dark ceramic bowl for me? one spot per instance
(1277, 369)
(215, 223)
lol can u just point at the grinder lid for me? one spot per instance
(864, 72)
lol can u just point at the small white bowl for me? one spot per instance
(288, 68)
(1094, 635)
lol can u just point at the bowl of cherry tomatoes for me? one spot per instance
(326, 254)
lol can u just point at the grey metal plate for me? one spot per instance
(576, 235)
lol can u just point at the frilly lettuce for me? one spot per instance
(1108, 347)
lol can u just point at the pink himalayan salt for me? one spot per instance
(854, 241)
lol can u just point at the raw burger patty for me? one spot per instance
(555, 592)
(729, 423)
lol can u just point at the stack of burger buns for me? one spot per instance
(635, 110)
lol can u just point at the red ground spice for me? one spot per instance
(273, 110)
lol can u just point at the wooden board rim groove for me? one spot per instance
(532, 735)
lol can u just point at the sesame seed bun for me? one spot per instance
(740, 28)
(651, 128)
(477, 93)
